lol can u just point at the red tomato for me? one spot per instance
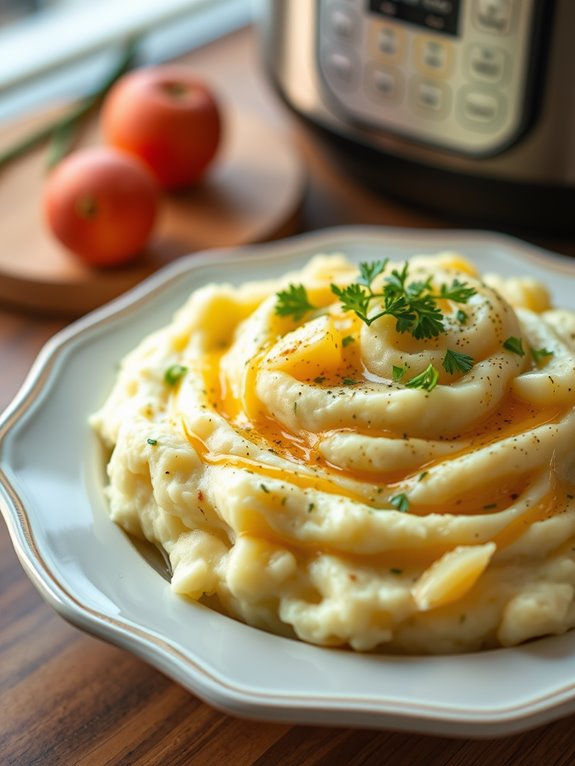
(166, 117)
(101, 204)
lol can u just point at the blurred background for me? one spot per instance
(50, 49)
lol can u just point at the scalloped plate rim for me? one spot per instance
(234, 698)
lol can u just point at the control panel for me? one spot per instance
(450, 73)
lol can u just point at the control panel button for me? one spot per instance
(386, 43)
(342, 23)
(384, 84)
(493, 15)
(341, 68)
(481, 110)
(486, 63)
(430, 97)
(433, 57)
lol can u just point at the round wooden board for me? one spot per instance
(252, 193)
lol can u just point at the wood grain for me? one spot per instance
(67, 698)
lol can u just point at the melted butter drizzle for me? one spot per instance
(406, 558)
(246, 416)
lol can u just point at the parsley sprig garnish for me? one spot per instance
(413, 304)
(293, 302)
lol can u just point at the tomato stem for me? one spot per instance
(176, 89)
(86, 206)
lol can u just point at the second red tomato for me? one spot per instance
(168, 118)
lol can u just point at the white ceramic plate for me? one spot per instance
(51, 481)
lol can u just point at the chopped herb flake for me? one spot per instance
(347, 340)
(454, 362)
(461, 316)
(515, 345)
(397, 373)
(174, 374)
(426, 380)
(400, 502)
(422, 476)
(310, 507)
(152, 442)
(264, 489)
(540, 355)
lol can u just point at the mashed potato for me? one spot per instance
(347, 482)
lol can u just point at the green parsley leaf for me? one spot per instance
(457, 291)
(152, 442)
(514, 345)
(397, 373)
(174, 374)
(369, 271)
(416, 288)
(347, 340)
(398, 278)
(293, 302)
(461, 317)
(540, 355)
(428, 323)
(426, 380)
(412, 304)
(454, 362)
(400, 502)
(349, 382)
(355, 298)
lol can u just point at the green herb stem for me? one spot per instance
(62, 130)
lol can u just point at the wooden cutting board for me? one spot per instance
(252, 193)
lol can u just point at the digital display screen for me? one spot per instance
(435, 15)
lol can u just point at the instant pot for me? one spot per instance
(464, 106)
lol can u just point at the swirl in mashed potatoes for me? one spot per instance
(285, 467)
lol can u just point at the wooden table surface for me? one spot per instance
(67, 698)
